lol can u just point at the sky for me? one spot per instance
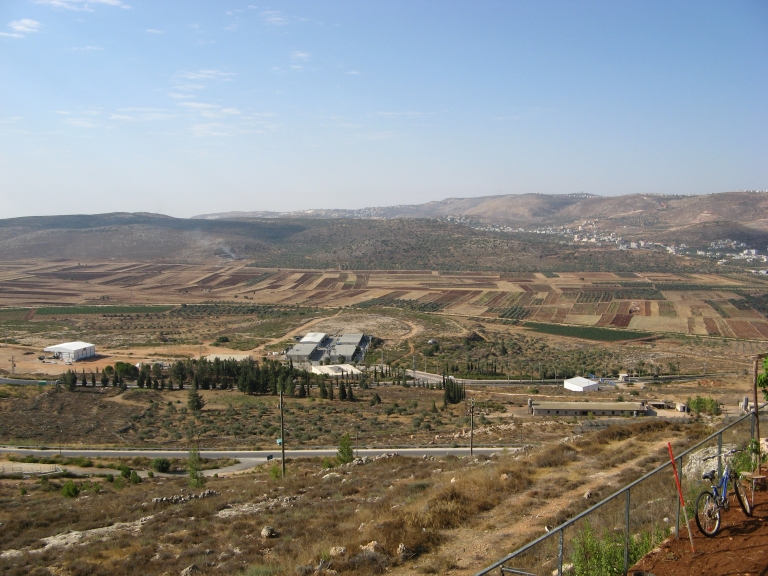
(186, 107)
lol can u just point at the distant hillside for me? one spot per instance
(406, 243)
(644, 211)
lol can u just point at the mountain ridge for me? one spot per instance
(666, 210)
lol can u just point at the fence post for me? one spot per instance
(752, 426)
(626, 535)
(677, 517)
(560, 555)
(719, 454)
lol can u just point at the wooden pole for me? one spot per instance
(755, 373)
(282, 434)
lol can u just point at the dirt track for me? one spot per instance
(741, 547)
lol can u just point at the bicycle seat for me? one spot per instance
(708, 475)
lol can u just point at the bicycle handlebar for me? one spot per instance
(722, 455)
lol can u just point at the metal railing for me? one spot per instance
(644, 512)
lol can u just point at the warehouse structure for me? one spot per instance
(72, 351)
(589, 408)
(580, 384)
(317, 348)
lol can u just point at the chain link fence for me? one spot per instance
(611, 536)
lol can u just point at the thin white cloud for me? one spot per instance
(205, 75)
(199, 105)
(22, 27)
(273, 18)
(87, 48)
(81, 5)
(233, 111)
(11, 120)
(300, 56)
(179, 96)
(400, 114)
(141, 114)
(354, 73)
(154, 31)
(189, 87)
(81, 123)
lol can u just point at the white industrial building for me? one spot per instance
(580, 384)
(336, 370)
(313, 338)
(72, 351)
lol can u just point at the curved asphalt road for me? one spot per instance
(249, 459)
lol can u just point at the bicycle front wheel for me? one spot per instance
(707, 514)
(741, 495)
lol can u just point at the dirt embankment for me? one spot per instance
(739, 548)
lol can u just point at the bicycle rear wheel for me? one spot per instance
(707, 514)
(741, 495)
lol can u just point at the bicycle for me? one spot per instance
(709, 504)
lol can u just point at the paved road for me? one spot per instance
(20, 381)
(256, 454)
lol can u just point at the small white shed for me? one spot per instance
(579, 384)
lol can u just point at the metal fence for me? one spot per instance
(615, 533)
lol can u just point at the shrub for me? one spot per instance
(110, 478)
(135, 478)
(125, 471)
(195, 469)
(276, 472)
(150, 474)
(376, 399)
(70, 489)
(162, 465)
(328, 463)
(345, 453)
(604, 555)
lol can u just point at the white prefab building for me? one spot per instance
(72, 351)
(580, 384)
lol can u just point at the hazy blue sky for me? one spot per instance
(187, 107)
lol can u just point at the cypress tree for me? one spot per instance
(342, 391)
(350, 396)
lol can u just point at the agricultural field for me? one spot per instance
(145, 312)
(698, 304)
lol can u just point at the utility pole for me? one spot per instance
(471, 410)
(414, 367)
(282, 434)
(13, 365)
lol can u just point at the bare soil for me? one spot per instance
(741, 547)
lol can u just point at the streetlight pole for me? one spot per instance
(282, 434)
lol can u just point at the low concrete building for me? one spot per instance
(587, 408)
(347, 351)
(302, 352)
(350, 339)
(336, 370)
(72, 351)
(579, 384)
(313, 338)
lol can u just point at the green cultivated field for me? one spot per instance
(586, 332)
